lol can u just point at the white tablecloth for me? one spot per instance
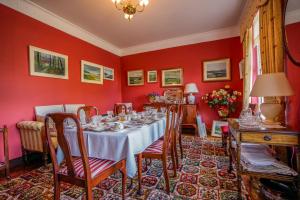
(118, 145)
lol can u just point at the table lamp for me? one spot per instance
(271, 85)
(191, 88)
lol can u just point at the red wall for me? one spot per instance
(293, 73)
(190, 58)
(20, 92)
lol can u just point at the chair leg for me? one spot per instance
(25, 157)
(89, 193)
(56, 189)
(180, 145)
(176, 155)
(140, 159)
(124, 177)
(164, 161)
(174, 160)
(45, 158)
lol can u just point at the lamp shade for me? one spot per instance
(271, 85)
(191, 88)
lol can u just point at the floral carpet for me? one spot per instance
(202, 175)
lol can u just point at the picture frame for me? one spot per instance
(152, 76)
(172, 77)
(47, 63)
(216, 128)
(135, 77)
(91, 72)
(108, 73)
(217, 70)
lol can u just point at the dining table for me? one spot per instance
(118, 144)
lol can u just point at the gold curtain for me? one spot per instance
(251, 8)
(271, 40)
(247, 48)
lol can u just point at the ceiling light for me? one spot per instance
(130, 7)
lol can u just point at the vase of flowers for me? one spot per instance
(152, 97)
(224, 101)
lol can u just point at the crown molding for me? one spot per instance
(184, 40)
(292, 17)
(37, 12)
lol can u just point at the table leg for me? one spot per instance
(238, 169)
(230, 168)
(297, 150)
(140, 168)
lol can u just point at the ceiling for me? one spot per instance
(161, 20)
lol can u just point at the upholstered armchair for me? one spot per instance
(33, 137)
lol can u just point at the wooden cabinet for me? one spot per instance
(190, 117)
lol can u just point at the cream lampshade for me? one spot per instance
(271, 85)
(191, 88)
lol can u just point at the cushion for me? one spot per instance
(155, 148)
(96, 165)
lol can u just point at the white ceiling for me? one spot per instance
(163, 24)
(161, 20)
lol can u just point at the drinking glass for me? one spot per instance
(110, 114)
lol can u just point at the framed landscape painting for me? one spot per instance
(172, 77)
(109, 74)
(217, 70)
(152, 76)
(91, 72)
(135, 77)
(216, 129)
(48, 63)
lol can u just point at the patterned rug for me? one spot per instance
(202, 175)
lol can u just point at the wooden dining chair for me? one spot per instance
(5, 165)
(89, 112)
(82, 171)
(119, 108)
(160, 149)
(178, 132)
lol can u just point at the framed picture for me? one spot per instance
(172, 77)
(109, 73)
(48, 63)
(152, 76)
(217, 70)
(91, 72)
(216, 129)
(135, 77)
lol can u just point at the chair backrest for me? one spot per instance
(59, 120)
(179, 116)
(72, 108)
(42, 111)
(89, 112)
(119, 108)
(4, 131)
(170, 128)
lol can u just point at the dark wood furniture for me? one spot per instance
(81, 171)
(160, 148)
(89, 111)
(276, 137)
(157, 105)
(5, 165)
(190, 117)
(119, 108)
